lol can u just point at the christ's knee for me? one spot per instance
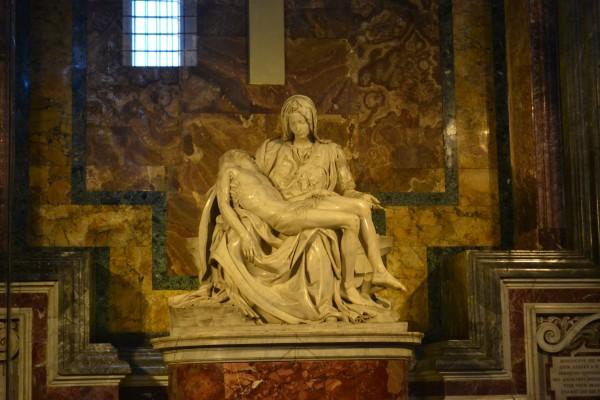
(363, 208)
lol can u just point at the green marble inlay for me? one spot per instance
(450, 195)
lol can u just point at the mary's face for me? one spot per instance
(298, 126)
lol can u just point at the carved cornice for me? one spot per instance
(575, 327)
(472, 297)
(555, 334)
(20, 351)
(278, 342)
(79, 361)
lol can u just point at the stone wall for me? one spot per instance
(120, 158)
(39, 351)
(118, 161)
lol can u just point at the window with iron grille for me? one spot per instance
(159, 33)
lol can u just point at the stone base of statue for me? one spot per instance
(286, 246)
(307, 361)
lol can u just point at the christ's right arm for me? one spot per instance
(230, 216)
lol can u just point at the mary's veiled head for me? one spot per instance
(304, 106)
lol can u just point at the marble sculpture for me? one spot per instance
(286, 238)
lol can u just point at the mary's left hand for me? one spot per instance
(368, 197)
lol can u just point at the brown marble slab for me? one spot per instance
(196, 381)
(304, 380)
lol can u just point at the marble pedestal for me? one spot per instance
(320, 361)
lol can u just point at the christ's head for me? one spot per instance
(237, 158)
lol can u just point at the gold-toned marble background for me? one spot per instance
(372, 67)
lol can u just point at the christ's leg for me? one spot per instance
(350, 226)
(368, 233)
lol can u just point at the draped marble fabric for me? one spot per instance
(292, 279)
(325, 167)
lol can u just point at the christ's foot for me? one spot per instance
(384, 278)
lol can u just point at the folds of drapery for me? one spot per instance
(293, 279)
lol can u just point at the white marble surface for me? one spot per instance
(271, 342)
(285, 237)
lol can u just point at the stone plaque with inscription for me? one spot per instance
(569, 350)
(575, 377)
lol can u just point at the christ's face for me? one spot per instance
(298, 125)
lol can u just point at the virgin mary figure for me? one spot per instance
(298, 278)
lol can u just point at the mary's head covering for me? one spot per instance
(304, 106)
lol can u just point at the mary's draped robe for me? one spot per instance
(293, 279)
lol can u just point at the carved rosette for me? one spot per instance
(575, 334)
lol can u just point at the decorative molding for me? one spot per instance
(533, 312)
(552, 338)
(21, 347)
(338, 341)
(475, 286)
(74, 368)
(474, 292)
(147, 367)
(79, 362)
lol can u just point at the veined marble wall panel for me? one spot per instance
(474, 220)
(374, 71)
(53, 219)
